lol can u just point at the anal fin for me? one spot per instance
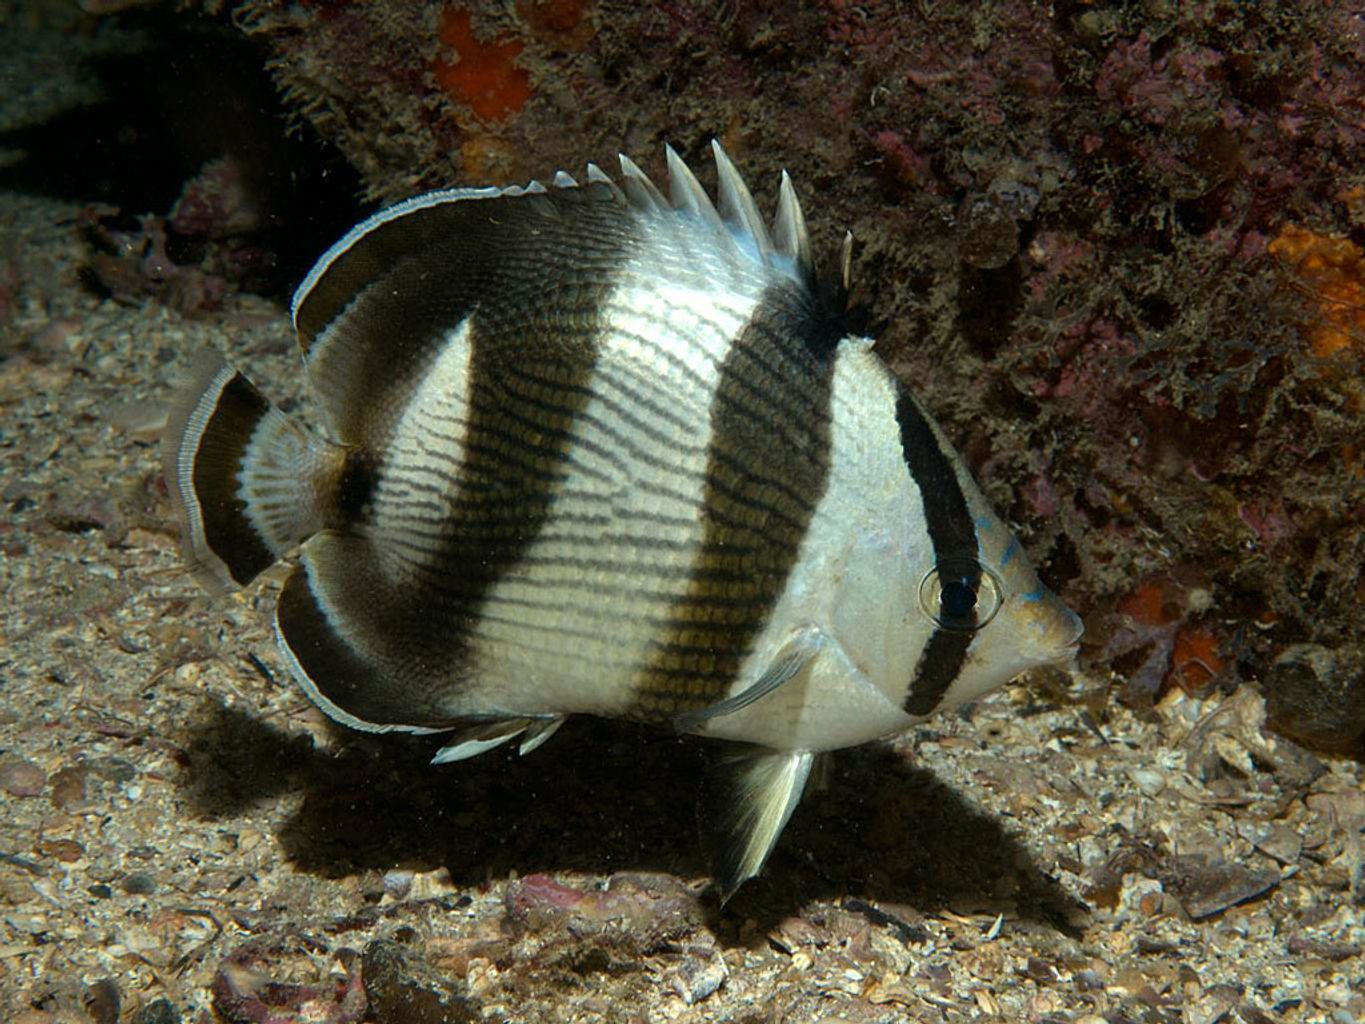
(485, 736)
(749, 795)
(540, 730)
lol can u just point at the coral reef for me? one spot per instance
(1117, 247)
(1119, 244)
(483, 74)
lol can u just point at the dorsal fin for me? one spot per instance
(597, 175)
(390, 261)
(687, 193)
(390, 295)
(737, 206)
(639, 189)
(789, 228)
(734, 215)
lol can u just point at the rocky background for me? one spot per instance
(1118, 249)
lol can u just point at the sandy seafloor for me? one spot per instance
(177, 816)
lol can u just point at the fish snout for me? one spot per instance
(1055, 629)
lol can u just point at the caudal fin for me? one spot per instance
(250, 483)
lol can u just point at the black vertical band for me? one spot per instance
(953, 536)
(768, 464)
(218, 470)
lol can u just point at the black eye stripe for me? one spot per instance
(948, 522)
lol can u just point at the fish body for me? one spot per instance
(589, 450)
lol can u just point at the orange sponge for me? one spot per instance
(484, 76)
(1333, 270)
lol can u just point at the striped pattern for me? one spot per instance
(238, 408)
(467, 435)
(767, 464)
(593, 450)
(379, 309)
(542, 485)
(584, 619)
(251, 482)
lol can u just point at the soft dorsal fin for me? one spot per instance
(390, 295)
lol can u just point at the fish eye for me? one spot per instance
(961, 594)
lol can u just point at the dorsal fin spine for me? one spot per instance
(687, 193)
(738, 214)
(596, 176)
(737, 206)
(639, 189)
(789, 229)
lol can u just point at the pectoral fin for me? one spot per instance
(749, 794)
(791, 659)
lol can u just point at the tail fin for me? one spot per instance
(250, 483)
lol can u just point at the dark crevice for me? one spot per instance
(195, 92)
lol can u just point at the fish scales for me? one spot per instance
(591, 450)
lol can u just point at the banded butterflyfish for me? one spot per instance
(588, 449)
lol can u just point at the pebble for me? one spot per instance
(21, 778)
(158, 1011)
(1346, 809)
(102, 1001)
(697, 979)
(115, 769)
(1273, 839)
(400, 985)
(138, 883)
(1148, 781)
(68, 787)
(68, 851)
(1209, 886)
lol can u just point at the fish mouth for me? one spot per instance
(1068, 631)
(1077, 629)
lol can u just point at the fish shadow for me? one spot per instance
(603, 797)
